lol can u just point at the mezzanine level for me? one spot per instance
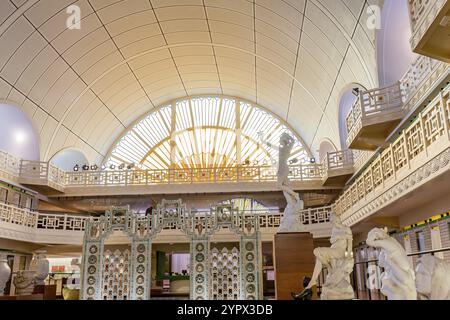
(430, 28)
(420, 153)
(30, 226)
(52, 181)
(377, 112)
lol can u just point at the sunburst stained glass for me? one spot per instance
(204, 132)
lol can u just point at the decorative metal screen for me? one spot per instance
(224, 274)
(116, 275)
(104, 276)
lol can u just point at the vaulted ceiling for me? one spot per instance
(83, 88)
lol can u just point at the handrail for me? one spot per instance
(37, 220)
(372, 103)
(429, 132)
(35, 172)
(428, 252)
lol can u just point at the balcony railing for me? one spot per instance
(309, 172)
(415, 86)
(338, 160)
(44, 173)
(66, 222)
(9, 165)
(420, 78)
(428, 27)
(372, 105)
(425, 139)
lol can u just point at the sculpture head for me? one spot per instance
(377, 234)
(334, 218)
(285, 139)
(40, 254)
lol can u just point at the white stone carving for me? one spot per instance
(398, 279)
(338, 259)
(40, 265)
(24, 282)
(291, 218)
(290, 222)
(433, 278)
(5, 273)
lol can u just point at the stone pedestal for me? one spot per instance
(293, 260)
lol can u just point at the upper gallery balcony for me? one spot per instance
(373, 116)
(338, 168)
(420, 153)
(36, 227)
(377, 112)
(52, 181)
(430, 28)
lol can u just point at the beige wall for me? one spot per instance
(425, 211)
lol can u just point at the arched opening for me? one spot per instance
(18, 135)
(204, 132)
(325, 147)
(68, 159)
(394, 54)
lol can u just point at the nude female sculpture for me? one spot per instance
(398, 279)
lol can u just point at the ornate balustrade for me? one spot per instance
(35, 222)
(182, 176)
(423, 75)
(338, 160)
(338, 168)
(361, 157)
(428, 27)
(44, 173)
(9, 166)
(421, 150)
(373, 107)
(37, 172)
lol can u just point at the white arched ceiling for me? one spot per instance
(82, 88)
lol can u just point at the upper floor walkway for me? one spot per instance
(50, 180)
(35, 227)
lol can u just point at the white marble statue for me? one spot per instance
(433, 278)
(25, 282)
(338, 259)
(5, 273)
(284, 152)
(40, 265)
(291, 217)
(398, 279)
(291, 222)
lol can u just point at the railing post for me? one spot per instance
(445, 116)
(65, 222)
(422, 133)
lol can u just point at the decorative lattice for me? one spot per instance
(225, 276)
(125, 275)
(116, 275)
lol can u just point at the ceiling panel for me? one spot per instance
(83, 87)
